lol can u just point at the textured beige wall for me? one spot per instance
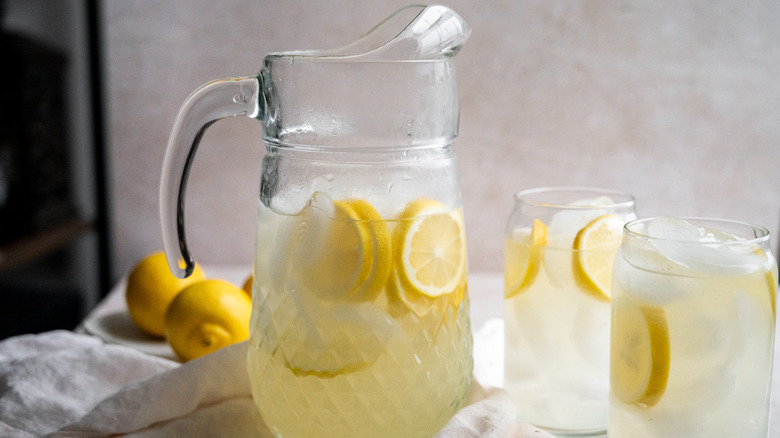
(675, 102)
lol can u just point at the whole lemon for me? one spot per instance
(207, 316)
(247, 287)
(150, 289)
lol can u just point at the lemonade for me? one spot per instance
(693, 323)
(559, 249)
(360, 320)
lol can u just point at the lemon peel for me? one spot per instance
(640, 351)
(206, 316)
(594, 253)
(345, 256)
(524, 256)
(150, 289)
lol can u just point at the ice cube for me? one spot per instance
(701, 249)
(645, 276)
(565, 224)
(594, 202)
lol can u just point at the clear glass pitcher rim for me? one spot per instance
(438, 31)
(313, 56)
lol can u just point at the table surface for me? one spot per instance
(486, 297)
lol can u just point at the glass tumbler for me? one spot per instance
(693, 326)
(559, 247)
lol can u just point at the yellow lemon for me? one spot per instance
(523, 257)
(346, 256)
(640, 354)
(594, 253)
(150, 289)
(207, 316)
(430, 249)
(247, 287)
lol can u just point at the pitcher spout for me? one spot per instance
(412, 33)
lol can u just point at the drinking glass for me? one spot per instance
(559, 247)
(693, 323)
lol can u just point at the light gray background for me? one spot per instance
(675, 102)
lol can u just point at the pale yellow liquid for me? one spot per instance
(721, 336)
(375, 368)
(556, 356)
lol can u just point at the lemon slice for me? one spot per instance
(594, 253)
(378, 253)
(346, 255)
(333, 339)
(771, 280)
(523, 257)
(640, 354)
(430, 248)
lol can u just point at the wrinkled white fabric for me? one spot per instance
(63, 384)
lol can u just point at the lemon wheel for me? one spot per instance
(376, 263)
(594, 253)
(430, 249)
(345, 256)
(524, 254)
(640, 351)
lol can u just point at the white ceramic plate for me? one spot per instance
(111, 322)
(116, 327)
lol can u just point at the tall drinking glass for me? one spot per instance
(693, 323)
(560, 245)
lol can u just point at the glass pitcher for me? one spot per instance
(360, 322)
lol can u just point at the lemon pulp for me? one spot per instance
(430, 255)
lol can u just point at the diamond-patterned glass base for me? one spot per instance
(354, 370)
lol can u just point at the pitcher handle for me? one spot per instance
(209, 103)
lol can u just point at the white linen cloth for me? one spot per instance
(64, 384)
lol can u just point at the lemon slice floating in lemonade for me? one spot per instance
(640, 354)
(523, 259)
(345, 255)
(430, 249)
(377, 264)
(594, 252)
